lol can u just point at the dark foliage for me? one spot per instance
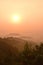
(10, 55)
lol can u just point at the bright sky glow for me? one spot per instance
(15, 19)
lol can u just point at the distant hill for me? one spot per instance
(25, 36)
(17, 42)
(19, 36)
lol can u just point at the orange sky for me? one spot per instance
(31, 12)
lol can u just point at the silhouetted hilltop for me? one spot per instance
(17, 42)
(22, 36)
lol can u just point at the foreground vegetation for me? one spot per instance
(28, 56)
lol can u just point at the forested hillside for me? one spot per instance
(10, 54)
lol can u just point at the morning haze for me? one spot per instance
(30, 14)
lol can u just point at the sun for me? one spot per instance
(16, 18)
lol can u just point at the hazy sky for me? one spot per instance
(31, 12)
